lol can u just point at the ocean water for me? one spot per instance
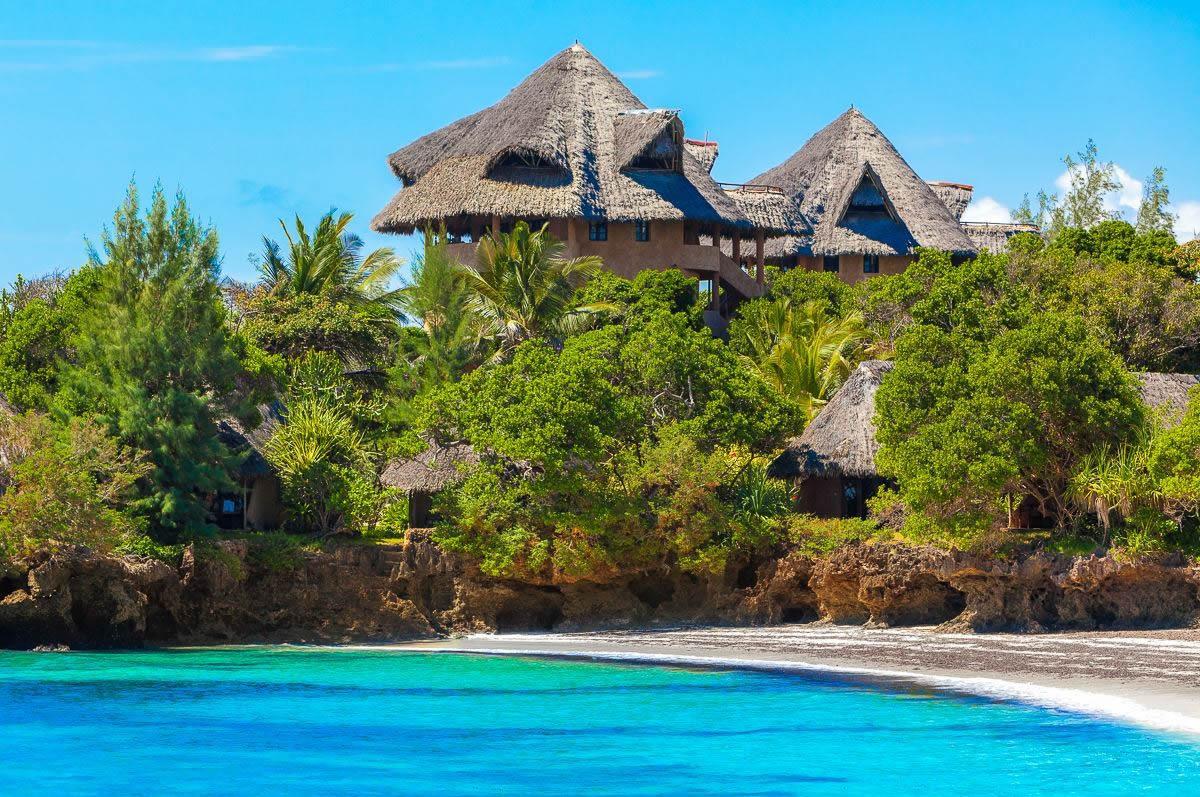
(331, 721)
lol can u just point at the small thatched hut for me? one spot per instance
(572, 146)
(427, 474)
(867, 208)
(258, 502)
(834, 459)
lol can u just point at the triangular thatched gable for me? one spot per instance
(829, 172)
(565, 143)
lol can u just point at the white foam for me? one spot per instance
(1096, 704)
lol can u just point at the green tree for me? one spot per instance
(63, 485)
(436, 297)
(522, 287)
(966, 421)
(1025, 214)
(614, 454)
(156, 358)
(329, 263)
(38, 322)
(1091, 181)
(291, 325)
(800, 350)
(1153, 215)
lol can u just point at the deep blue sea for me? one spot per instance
(337, 721)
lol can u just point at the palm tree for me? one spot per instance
(435, 296)
(522, 287)
(802, 351)
(329, 263)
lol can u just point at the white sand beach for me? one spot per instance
(1150, 678)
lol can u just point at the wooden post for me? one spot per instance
(759, 242)
(737, 248)
(572, 244)
(496, 227)
(716, 235)
(714, 301)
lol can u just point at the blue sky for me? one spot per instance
(259, 111)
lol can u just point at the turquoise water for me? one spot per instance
(325, 721)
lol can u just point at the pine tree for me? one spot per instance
(156, 359)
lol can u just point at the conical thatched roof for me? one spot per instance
(1167, 394)
(849, 166)
(571, 141)
(841, 440)
(994, 237)
(431, 471)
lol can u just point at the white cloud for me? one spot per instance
(83, 55)
(639, 74)
(1187, 226)
(1128, 195)
(986, 209)
(244, 53)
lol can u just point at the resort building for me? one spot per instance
(573, 147)
(866, 209)
(257, 501)
(427, 474)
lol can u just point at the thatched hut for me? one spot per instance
(574, 147)
(866, 207)
(426, 475)
(258, 501)
(834, 459)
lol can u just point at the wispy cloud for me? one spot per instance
(986, 209)
(639, 74)
(455, 63)
(70, 54)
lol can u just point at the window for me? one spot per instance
(870, 264)
(598, 231)
(832, 263)
(705, 292)
(641, 231)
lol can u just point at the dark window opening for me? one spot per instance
(870, 264)
(832, 263)
(868, 200)
(598, 231)
(641, 231)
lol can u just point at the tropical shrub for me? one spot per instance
(64, 485)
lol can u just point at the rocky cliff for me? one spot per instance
(226, 594)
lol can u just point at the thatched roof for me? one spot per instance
(769, 209)
(841, 440)
(1167, 394)
(994, 237)
(861, 197)
(565, 143)
(955, 196)
(703, 151)
(431, 471)
(238, 438)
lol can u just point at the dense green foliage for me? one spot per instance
(157, 360)
(614, 432)
(617, 451)
(63, 485)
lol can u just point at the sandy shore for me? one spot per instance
(1151, 678)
